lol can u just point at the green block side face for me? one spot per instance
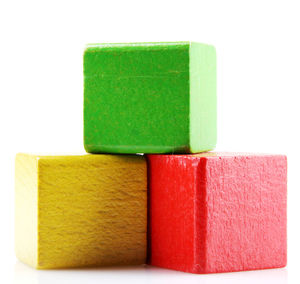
(203, 98)
(141, 98)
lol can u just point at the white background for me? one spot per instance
(41, 89)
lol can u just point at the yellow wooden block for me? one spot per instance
(88, 210)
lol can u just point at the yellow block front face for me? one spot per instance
(74, 211)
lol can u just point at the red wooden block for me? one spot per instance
(217, 212)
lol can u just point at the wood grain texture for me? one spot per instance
(74, 211)
(217, 212)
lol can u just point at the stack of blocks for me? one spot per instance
(177, 207)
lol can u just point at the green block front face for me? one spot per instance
(149, 98)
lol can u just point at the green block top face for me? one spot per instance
(149, 98)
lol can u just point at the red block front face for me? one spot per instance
(216, 212)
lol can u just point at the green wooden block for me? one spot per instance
(149, 98)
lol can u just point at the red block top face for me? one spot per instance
(217, 212)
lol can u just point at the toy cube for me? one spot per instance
(217, 212)
(74, 211)
(149, 98)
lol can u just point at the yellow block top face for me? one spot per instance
(91, 210)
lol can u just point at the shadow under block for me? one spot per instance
(88, 210)
(149, 98)
(215, 212)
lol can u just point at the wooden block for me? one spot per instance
(149, 98)
(88, 210)
(217, 212)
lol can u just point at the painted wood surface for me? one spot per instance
(149, 98)
(217, 212)
(74, 211)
